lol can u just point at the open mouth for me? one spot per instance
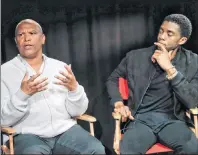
(28, 46)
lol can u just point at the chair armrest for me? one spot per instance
(195, 117)
(8, 130)
(193, 129)
(117, 133)
(194, 111)
(87, 118)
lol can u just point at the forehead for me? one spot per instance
(170, 26)
(27, 26)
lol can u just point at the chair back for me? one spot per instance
(123, 88)
(124, 91)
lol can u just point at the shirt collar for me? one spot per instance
(29, 69)
(177, 56)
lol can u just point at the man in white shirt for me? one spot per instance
(39, 98)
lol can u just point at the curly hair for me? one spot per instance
(183, 22)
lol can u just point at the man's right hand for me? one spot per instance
(33, 85)
(123, 110)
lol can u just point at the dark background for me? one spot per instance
(94, 36)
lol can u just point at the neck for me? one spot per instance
(36, 62)
(172, 53)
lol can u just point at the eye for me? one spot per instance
(32, 33)
(19, 34)
(161, 31)
(170, 34)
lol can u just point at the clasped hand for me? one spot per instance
(123, 110)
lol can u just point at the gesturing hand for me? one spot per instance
(33, 85)
(162, 56)
(123, 110)
(68, 80)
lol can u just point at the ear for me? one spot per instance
(15, 40)
(182, 40)
(43, 39)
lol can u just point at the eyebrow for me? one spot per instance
(169, 31)
(27, 31)
(172, 32)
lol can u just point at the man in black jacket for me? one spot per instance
(163, 83)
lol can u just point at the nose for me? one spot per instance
(27, 37)
(162, 36)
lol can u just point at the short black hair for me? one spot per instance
(183, 22)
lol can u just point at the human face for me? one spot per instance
(169, 35)
(29, 40)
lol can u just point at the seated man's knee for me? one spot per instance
(130, 149)
(99, 150)
(191, 147)
(96, 148)
(35, 150)
(188, 150)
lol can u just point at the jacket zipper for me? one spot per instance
(144, 93)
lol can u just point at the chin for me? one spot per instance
(28, 54)
(171, 48)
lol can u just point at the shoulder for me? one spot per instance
(9, 65)
(141, 50)
(190, 55)
(12, 70)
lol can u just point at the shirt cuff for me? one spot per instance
(21, 95)
(73, 94)
(177, 79)
(114, 100)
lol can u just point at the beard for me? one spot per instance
(172, 48)
(168, 48)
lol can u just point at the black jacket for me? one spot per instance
(138, 69)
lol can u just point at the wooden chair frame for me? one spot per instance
(117, 134)
(123, 88)
(10, 132)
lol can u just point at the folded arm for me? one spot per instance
(186, 91)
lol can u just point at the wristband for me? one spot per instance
(170, 77)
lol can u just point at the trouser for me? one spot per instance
(74, 141)
(139, 137)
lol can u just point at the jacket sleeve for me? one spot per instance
(112, 82)
(77, 102)
(186, 91)
(13, 106)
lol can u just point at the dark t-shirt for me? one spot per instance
(158, 96)
(157, 108)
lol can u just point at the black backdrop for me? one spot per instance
(94, 36)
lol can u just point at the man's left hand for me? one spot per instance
(161, 56)
(68, 80)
